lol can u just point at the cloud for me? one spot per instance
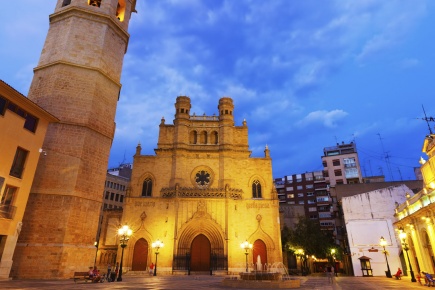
(327, 119)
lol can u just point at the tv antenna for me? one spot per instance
(387, 157)
(428, 119)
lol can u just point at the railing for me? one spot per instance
(191, 192)
(218, 261)
(7, 211)
(204, 118)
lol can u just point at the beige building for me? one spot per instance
(202, 195)
(23, 125)
(416, 218)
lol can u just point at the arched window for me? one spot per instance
(120, 10)
(147, 187)
(203, 137)
(66, 2)
(214, 137)
(193, 137)
(96, 3)
(256, 189)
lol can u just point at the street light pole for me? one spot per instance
(156, 245)
(246, 246)
(402, 236)
(96, 253)
(124, 233)
(383, 243)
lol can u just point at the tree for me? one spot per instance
(307, 239)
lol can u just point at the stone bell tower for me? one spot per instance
(77, 80)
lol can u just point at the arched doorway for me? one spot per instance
(140, 255)
(259, 253)
(200, 254)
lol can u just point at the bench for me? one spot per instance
(430, 281)
(81, 276)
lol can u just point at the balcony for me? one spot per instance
(7, 211)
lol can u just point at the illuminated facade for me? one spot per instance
(202, 195)
(416, 217)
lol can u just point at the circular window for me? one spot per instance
(202, 177)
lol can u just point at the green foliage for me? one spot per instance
(308, 236)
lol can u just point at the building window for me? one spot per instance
(325, 173)
(66, 2)
(311, 201)
(338, 172)
(325, 164)
(121, 199)
(290, 195)
(309, 186)
(300, 195)
(311, 209)
(6, 208)
(256, 189)
(298, 177)
(107, 195)
(19, 161)
(112, 195)
(310, 193)
(117, 197)
(289, 179)
(289, 188)
(336, 162)
(299, 187)
(301, 202)
(290, 202)
(147, 187)
(95, 3)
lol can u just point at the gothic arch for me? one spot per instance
(140, 182)
(260, 234)
(201, 223)
(259, 182)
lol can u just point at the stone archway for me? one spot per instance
(200, 253)
(140, 255)
(259, 250)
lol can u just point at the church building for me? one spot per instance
(202, 195)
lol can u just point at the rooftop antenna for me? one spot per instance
(430, 119)
(387, 157)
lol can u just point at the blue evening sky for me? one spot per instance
(304, 74)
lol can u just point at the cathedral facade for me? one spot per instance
(202, 195)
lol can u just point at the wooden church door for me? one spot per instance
(200, 254)
(140, 256)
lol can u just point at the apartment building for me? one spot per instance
(23, 125)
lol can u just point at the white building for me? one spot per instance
(368, 217)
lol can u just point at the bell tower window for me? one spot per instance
(120, 10)
(96, 3)
(66, 3)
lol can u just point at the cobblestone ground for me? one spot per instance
(211, 283)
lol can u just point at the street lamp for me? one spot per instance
(383, 243)
(333, 261)
(300, 253)
(96, 252)
(246, 246)
(157, 245)
(124, 234)
(402, 236)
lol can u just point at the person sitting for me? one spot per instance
(96, 275)
(428, 279)
(398, 274)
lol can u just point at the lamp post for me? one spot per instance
(96, 252)
(246, 246)
(383, 243)
(333, 261)
(402, 236)
(156, 246)
(124, 234)
(300, 253)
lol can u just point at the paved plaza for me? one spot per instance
(210, 283)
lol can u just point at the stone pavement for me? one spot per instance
(210, 283)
